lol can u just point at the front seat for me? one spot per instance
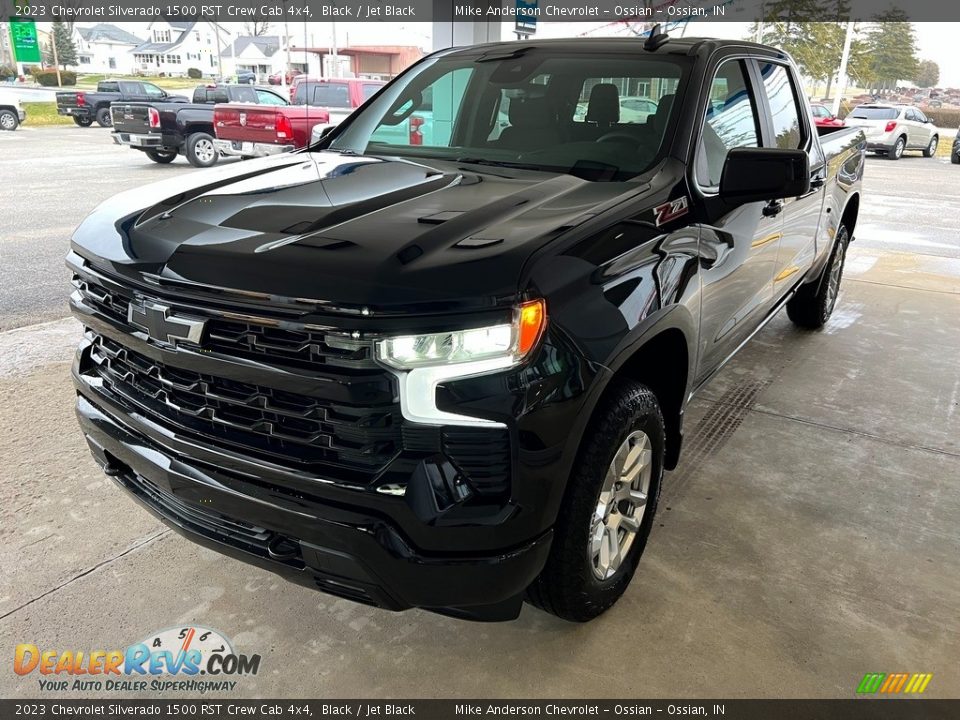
(603, 109)
(533, 124)
(658, 121)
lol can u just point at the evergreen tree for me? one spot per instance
(892, 49)
(66, 50)
(928, 74)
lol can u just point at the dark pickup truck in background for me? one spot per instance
(163, 130)
(85, 107)
(451, 375)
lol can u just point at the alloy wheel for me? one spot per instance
(204, 150)
(833, 281)
(621, 505)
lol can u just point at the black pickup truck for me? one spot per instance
(85, 107)
(451, 375)
(164, 130)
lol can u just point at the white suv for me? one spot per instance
(11, 114)
(891, 129)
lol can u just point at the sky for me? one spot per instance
(935, 41)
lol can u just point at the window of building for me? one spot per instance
(161, 36)
(112, 63)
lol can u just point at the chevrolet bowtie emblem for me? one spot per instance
(163, 325)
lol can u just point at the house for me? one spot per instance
(263, 55)
(172, 48)
(104, 48)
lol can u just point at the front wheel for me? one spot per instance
(813, 303)
(955, 158)
(8, 120)
(83, 121)
(608, 510)
(162, 156)
(931, 149)
(896, 152)
(201, 152)
(103, 117)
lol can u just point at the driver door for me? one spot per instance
(738, 248)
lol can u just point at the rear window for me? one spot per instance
(369, 90)
(875, 113)
(335, 95)
(108, 87)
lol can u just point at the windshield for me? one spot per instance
(874, 113)
(597, 116)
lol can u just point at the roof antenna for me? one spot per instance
(655, 39)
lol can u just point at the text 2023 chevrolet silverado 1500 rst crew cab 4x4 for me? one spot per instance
(451, 376)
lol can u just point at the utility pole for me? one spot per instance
(216, 31)
(842, 75)
(56, 58)
(336, 60)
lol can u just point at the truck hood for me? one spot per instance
(343, 230)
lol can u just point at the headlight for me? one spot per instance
(421, 362)
(508, 342)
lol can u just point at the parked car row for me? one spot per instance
(86, 107)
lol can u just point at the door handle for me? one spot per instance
(772, 208)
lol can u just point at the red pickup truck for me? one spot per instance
(258, 130)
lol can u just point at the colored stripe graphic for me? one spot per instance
(894, 683)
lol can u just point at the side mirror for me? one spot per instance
(759, 174)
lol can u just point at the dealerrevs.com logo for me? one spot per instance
(190, 659)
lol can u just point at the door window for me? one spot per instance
(335, 95)
(731, 122)
(265, 97)
(152, 91)
(784, 108)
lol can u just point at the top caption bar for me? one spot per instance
(534, 11)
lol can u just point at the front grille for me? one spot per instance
(267, 341)
(291, 428)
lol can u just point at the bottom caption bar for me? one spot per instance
(853, 709)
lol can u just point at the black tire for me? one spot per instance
(931, 149)
(103, 117)
(896, 152)
(955, 158)
(201, 152)
(9, 120)
(568, 587)
(83, 121)
(161, 156)
(814, 302)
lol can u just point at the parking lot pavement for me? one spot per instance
(52, 178)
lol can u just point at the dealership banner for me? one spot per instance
(525, 14)
(854, 709)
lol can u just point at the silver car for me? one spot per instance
(891, 129)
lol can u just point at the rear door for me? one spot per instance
(918, 132)
(132, 91)
(788, 128)
(738, 248)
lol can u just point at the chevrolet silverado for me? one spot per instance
(451, 375)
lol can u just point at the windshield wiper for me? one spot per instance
(499, 163)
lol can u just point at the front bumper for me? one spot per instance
(347, 551)
(240, 148)
(137, 140)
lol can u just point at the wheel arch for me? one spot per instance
(851, 213)
(662, 357)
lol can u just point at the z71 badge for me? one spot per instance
(670, 210)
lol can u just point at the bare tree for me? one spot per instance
(256, 28)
